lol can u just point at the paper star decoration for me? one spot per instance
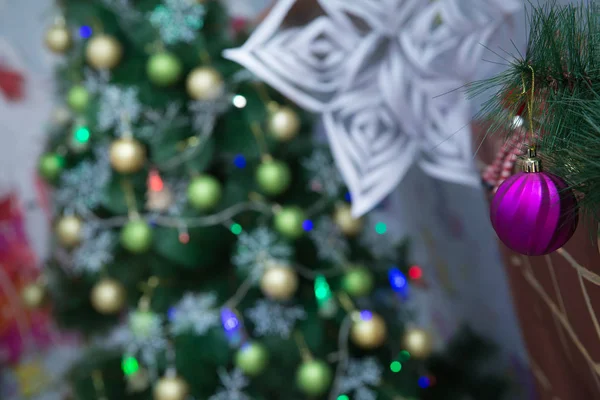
(373, 70)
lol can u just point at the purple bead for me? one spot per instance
(534, 213)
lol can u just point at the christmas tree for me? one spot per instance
(205, 245)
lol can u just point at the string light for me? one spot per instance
(415, 272)
(130, 365)
(404, 355)
(236, 229)
(424, 382)
(381, 228)
(184, 237)
(229, 320)
(239, 161)
(155, 182)
(366, 315)
(397, 279)
(348, 197)
(395, 366)
(239, 101)
(85, 31)
(322, 290)
(343, 397)
(82, 134)
(307, 225)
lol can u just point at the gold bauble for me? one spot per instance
(59, 39)
(127, 155)
(205, 83)
(171, 388)
(108, 296)
(33, 295)
(418, 342)
(103, 52)
(279, 282)
(284, 124)
(368, 331)
(69, 230)
(343, 218)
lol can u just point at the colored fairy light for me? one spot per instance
(395, 366)
(85, 31)
(82, 134)
(404, 355)
(155, 182)
(239, 101)
(397, 279)
(348, 197)
(239, 161)
(184, 237)
(424, 382)
(343, 397)
(381, 228)
(229, 320)
(415, 272)
(171, 313)
(130, 365)
(307, 225)
(236, 229)
(322, 289)
(366, 315)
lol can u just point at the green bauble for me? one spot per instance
(142, 323)
(288, 222)
(164, 69)
(252, 359)
(50, 166)
(136, 236)
(273, 177)
(358, 281)
(314, 377)
(204, 192)
(78, 98)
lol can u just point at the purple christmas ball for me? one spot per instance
(534, 213)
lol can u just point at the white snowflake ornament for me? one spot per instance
(326, 177)
(257, 248)
(372, 69)
(118, 107)
(233, 385)
(331, 244)
(95, 251)
(358, 378)
(178, 20)
(196, 313)
(270, 318)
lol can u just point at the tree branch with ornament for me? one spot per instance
(547, 101)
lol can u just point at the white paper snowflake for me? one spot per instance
(195, 313)
(95, 251)
(178, 20)
(118, 107)
(326, 177)
(205, 113)
(233, 385)
(270, 318)
(160, 121)
(330, 243)
(373, 69)
(359, 376)
(257, 248)
(82, 187)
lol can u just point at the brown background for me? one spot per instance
(557, 300)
